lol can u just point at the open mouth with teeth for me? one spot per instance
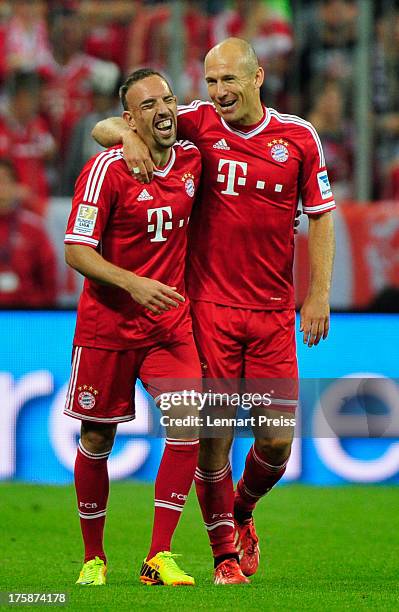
(164, 127)
(228, 106)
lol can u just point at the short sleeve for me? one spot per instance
(92, 200)
(316, 192)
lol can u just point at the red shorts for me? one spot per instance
(102, 383)
(255, 346)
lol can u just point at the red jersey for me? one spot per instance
(28, 44)
(108, 42)
(141, 228)
(68, 95)
(27, 146)
(242, 247)
(28, 266)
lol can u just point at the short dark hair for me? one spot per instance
(134, 77)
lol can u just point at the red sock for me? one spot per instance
(172, 486)
(216, 498)
(258, 478)
(92, 487)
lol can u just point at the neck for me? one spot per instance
(160, 157)
(254, 115)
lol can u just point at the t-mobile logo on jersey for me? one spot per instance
(160, 224)
(231, 176)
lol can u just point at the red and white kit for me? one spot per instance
(242, 234)
(142, 228)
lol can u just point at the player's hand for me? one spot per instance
(297, 221)
(315, 319)
(154, 295)
(137, 157)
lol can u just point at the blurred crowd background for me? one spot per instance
(334, 62)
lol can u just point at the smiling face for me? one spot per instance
(234, 80)
(152, 112)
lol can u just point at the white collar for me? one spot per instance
(251, 133)
(166, 169)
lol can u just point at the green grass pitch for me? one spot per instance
(322, 549)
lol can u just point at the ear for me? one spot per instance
(128, 117)
(259, 77)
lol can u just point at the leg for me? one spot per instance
(265, 465)
(100, 405)
(92, 484)
(180, 456)
(215, 494)
(217, 330)
(270, 364)
(174, 479)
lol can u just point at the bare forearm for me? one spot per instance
(321, 246)
(92, 265)
(151, 294)
(110, 132)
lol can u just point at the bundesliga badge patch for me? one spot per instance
(87, 397)
(278, 150)
(85, 220)
(188, 180)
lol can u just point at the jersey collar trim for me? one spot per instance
(254, 132)
(166, 169)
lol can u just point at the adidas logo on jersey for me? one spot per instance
(221, 144)
(144, 195)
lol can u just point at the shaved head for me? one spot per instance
(234, 79)
(238, 48)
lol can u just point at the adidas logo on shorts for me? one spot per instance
(221, 144)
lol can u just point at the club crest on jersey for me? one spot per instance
(279, 150)
(188, 180)
(87, 397)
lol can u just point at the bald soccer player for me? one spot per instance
(257, 164)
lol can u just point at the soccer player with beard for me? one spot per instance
(257, 163)
(133, 318)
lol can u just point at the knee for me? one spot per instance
(214, 453)
(98, 439)
(276, 450)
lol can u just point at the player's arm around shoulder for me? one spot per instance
(110, 131)
(115, 130)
